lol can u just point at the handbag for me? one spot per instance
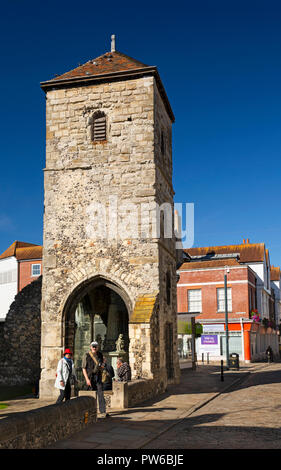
(104, 376)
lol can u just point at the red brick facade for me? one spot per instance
(25, 272)
(240, 279)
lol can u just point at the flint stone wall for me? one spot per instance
(37, 429)
(20, 338)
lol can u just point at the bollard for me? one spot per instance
(222, 377)
(208, 358)
(202, 358)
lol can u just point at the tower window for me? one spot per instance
(168, 288)
(162, 143)
(98, 127)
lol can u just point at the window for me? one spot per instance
(98, 127)
(221, 299)
(35, 269)
(168, 288)
(194, 298)
(8, 276)
(162, 143)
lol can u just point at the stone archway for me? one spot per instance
(97, 310)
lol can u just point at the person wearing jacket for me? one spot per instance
(92, 367)
(65, 371)
(123, 370)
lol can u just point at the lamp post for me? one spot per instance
(193, 346)
(226, 318)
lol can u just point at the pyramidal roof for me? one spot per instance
(108, 63)
(107, 67)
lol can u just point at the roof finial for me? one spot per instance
(113, 43)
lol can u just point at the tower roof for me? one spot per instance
(107, 67)
(107, 63)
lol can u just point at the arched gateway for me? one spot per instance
(97, 309)
(107, 269)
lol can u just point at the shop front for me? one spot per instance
(248, 339)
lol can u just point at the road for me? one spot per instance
(248, 417)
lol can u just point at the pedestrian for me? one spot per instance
(123, 370)
(65, 376)
(92, 368)
(269, 354)
(107, 383)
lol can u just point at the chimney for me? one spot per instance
(113, 43)
(248, 241)
(243, 241)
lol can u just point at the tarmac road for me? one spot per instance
(247, 417)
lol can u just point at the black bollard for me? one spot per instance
(202, 358)
(222, 377)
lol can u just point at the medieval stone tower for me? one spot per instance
(107, 270)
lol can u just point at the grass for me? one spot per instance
(3, 406)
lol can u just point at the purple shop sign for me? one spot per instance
(209, 339)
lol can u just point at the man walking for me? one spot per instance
(65, 373)
(92, 367)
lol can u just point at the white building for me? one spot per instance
(8, 284)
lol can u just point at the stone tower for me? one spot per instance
(107, 268)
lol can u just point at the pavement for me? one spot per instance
(137, 427)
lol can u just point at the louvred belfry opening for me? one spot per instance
(99, 127)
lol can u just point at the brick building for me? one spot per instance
(20, 264)
(201, 293)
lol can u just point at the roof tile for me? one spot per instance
(249, 252)
(109, 62)
(23, 250)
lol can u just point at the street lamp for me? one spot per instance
(226, 317)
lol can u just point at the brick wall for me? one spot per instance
(208, 281)
(25, 272)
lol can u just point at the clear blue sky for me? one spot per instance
(220, 62)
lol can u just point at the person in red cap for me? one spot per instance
(65, 373)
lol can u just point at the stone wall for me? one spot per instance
(128, 394)
(141, 390)
(20, 338)
(37, 429)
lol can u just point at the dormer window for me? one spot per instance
(98, 127)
